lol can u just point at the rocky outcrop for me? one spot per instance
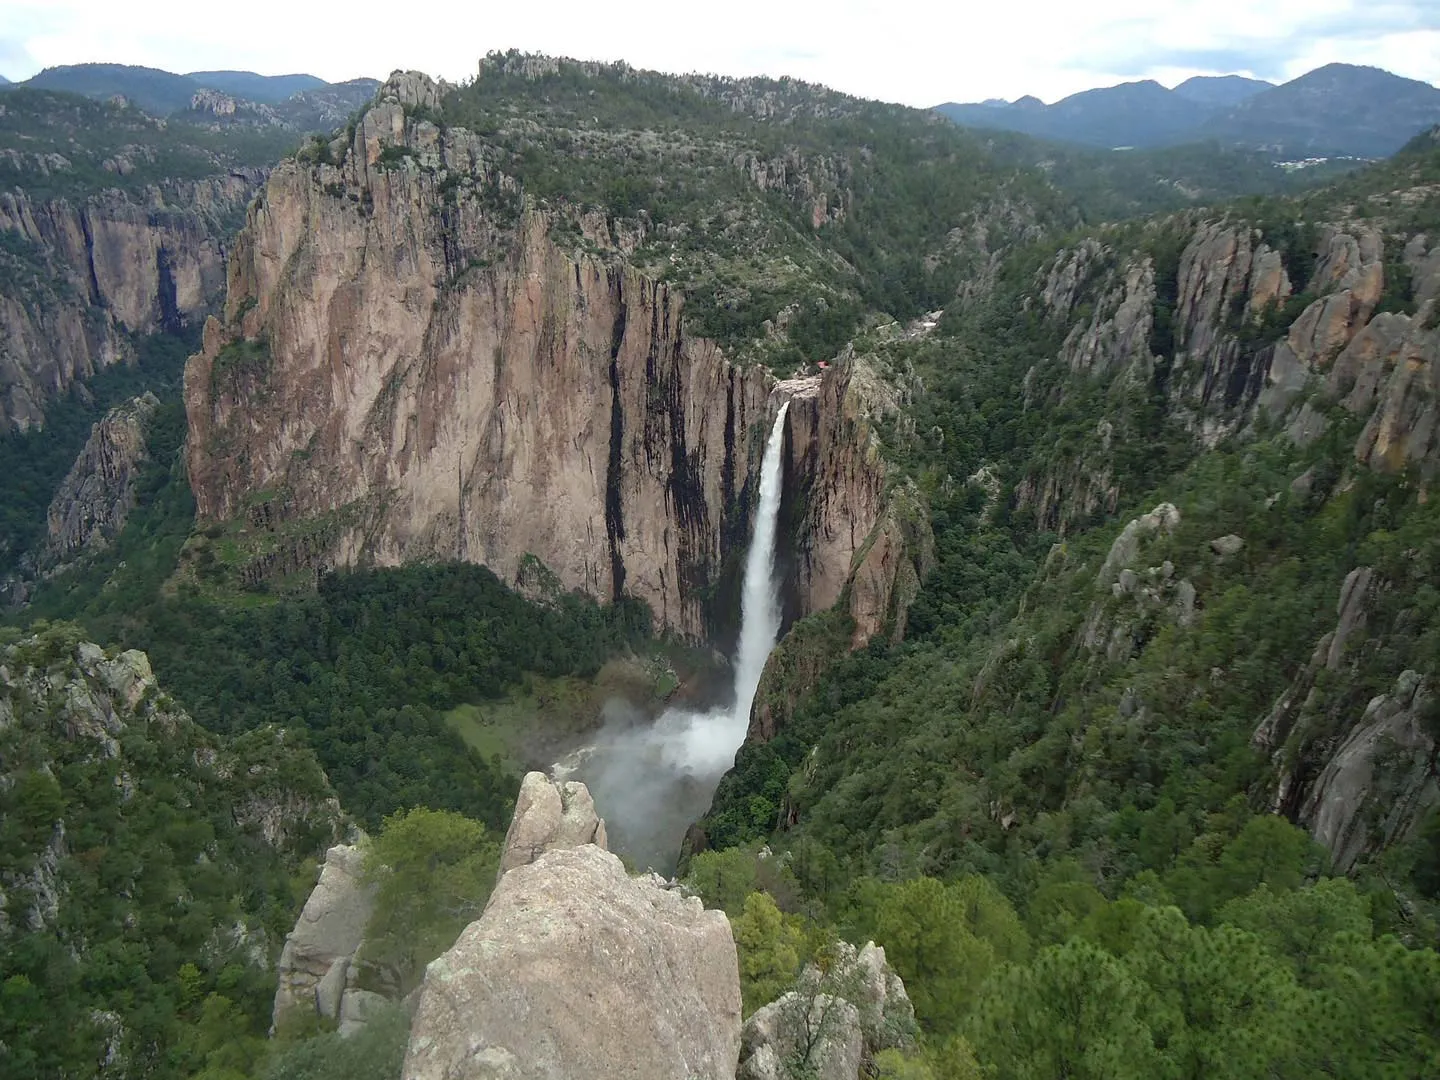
(1228, 278)
(1390, 373)
(62, 698)
(1231, 362)
(550, 814)
(1234, 346)
(820, 185)
(1162, 521)
(575, 969)
(1116, 336)
(802, 1035)
(81, 278)
(1118, 622)
(315, 965)
(411, 368)
(1358, 783)
(1381, 780)
(835, 1022)
(97, 495)
(92, 755)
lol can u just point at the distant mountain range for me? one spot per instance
(161, 93)
(1336, 110)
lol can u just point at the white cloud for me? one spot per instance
(905, 50)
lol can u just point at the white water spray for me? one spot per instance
(650, 782)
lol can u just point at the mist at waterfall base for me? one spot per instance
(650, 781)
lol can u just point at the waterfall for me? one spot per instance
(759, 603)
(651, 780)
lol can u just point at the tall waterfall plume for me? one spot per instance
(651, 780)
(760, 602)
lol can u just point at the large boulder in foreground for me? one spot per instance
(578, 970)
(550, 814)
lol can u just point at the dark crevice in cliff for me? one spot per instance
(614, 510)
(727, 467)
(171, 320)
(665, 423)
(89, 234)
(1248, 379)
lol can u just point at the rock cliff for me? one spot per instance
(1227, 339)
(1359, 774)
(411, 367)
(577, 969)
(98, 493)
(1381, 780)
(81, 276)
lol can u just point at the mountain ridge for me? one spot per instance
(1220, 89)
(163, 92)
(1334, 110)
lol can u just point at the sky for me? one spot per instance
(908, 51)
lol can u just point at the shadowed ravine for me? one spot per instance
(650, 781)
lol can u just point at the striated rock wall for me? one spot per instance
(81, 278)
(98, 493)
(410, 370)
(1230, 339)
(1381, 780)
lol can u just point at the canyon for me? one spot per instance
(402, 374)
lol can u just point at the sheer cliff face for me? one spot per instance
(84, 276)
(439, 380)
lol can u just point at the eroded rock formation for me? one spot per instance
(1132, 593)
(550, 814)
(835, 1022)
(1359, 775)
(1381, 780)
(65, 700)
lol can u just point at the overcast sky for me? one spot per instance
(899, 50)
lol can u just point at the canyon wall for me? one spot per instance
(77, 279)
(410, 368)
